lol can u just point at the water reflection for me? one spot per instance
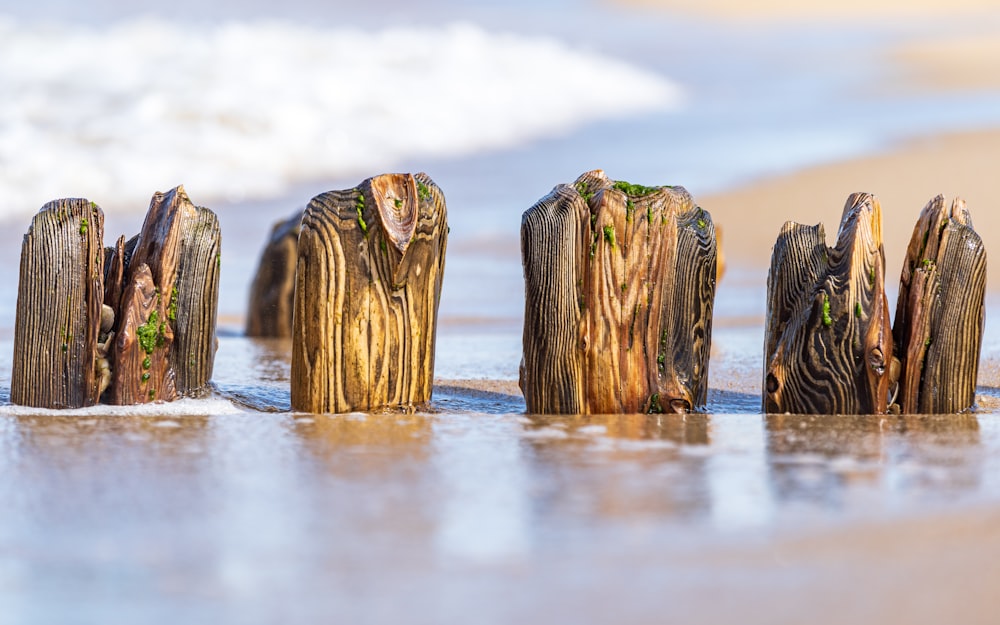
(638, 468)
(254, 372)
(96, 502)
(835, 461)
(366, 446)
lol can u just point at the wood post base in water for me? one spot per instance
(367, 287)
(131, 323)
(828, 345)
(619, 289)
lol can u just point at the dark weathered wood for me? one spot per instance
(141, 369)
(619, 289)
(114, 273)
(940, 311)
(59, 299)
(194, 302)
(828, 342)
(132, 323)
(367, 287)
(269, 310)
(165, 335)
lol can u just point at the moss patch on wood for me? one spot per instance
(634, 190)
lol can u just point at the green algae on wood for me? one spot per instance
(940, 311)
(165, 337)
(124, 333)
(641, 343)
(367, 286)
(58, 313)
(817, 358)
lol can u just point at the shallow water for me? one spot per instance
(233, 509)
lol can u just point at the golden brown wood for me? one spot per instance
(367, 287)
(132, 323)
(164, 342)
(619, 289)
(828, 344)
(940, 311)
(269, 310)
(59, 301)
(140, 368)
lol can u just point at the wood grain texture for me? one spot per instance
(940, 311)
(269, 310)
(59, 307)
(193, 306)
(164, 343)
(828, 343)
(367, 288)
(619, 290)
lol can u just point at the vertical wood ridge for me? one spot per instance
(134, 322)
(619, 288)
(193, 304)
(367, 289)
(59, 299)
(828, 345)
(269, 308)
(940, 311)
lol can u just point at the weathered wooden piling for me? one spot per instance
(940, 311)
(165, 340)
(134, 322)
(619, 289)
(269, 309)
(367, 287)
(194, 301)
(59, 299)
(828, 345)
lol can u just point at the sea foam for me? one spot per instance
(244, 110)
(184, 407)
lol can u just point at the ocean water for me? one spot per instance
(235, 509)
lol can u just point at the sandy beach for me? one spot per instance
(903, 178)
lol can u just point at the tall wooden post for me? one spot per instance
(269, 309)
(59, 300)
(165, 337)
(367, 287)
(619, 289)
(828, 345)
(940, 311)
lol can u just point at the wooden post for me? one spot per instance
(59, 310)
(940, 311)
(132, 323)
(269, 311)
(165, 336)
(619, 289)
(193, 307)
(828, 345)
(367, 287)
